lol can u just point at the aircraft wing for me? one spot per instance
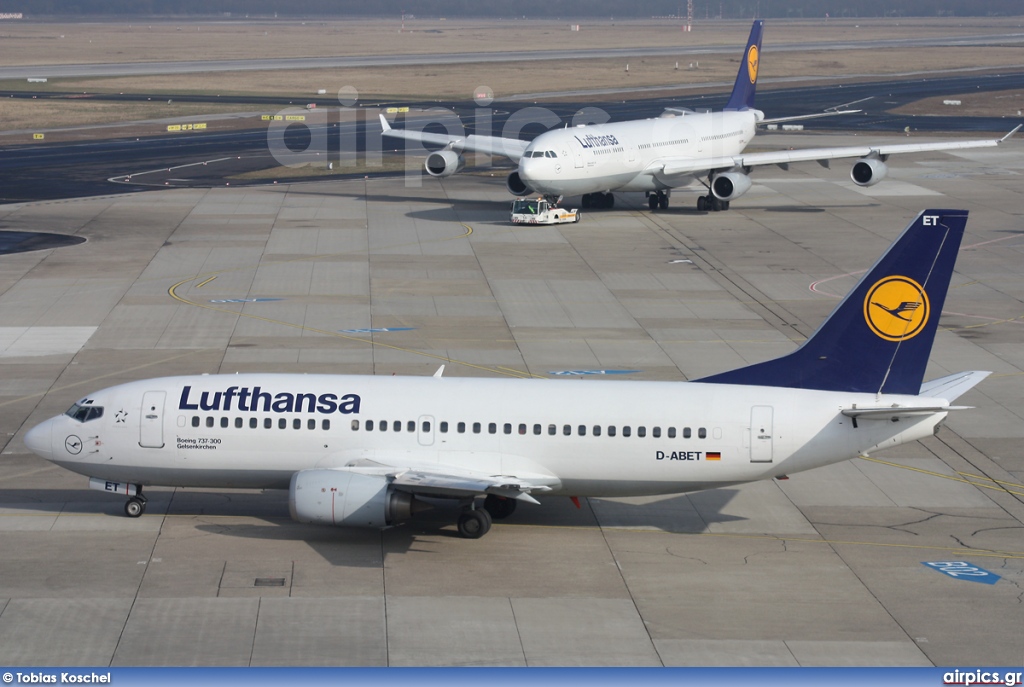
(670, 167)
(452, 481)
(511, 148)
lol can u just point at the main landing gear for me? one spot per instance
(476, 522)
(598, 200)
(658, 200)
(136, 505)
(709, 203)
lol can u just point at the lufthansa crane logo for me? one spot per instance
(896, 308)
(752, 63)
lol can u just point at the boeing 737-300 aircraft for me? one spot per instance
(365, 450)
(657, 155)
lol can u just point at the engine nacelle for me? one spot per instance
(343, 497)
(868, 171)
(730, 185)
(444, 163)
(516, 186)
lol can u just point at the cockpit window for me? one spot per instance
(84, 413)
(550, 153)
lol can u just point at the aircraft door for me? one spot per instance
(761, 434)
(577, 153)
(151, 423)
(425, 430)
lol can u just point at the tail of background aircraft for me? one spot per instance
(880, 336)
(746, 80)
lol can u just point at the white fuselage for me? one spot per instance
(619, 156)
(584, 438)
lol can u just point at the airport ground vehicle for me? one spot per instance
(540, 211)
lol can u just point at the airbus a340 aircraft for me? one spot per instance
(657, 155)
(365, 451)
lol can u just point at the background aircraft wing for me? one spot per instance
(511, 148)
(669, 167)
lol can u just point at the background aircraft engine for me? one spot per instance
(868, 171)
(342, 497)
(516, 186)
(444, 163)
(730, 185)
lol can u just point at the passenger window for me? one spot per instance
(368, 425)
(552, 430)
(410, 426)
(267, 423)
(536, 430)
(641, 432)
(597, 430)
(282, 424)
(461, 428)
(355, 425)
(195, 420)
(325, 424)
(582, 430)
(686, 432)
(476, 428)
(223, 422)
(253, 423)
(626, 431)
(567, 430)
(702, 433)
(296, 423)
(522, 428)
(492, 428)
(656, 432)
(383, 425)
(443, 427)
(426, 426)
(611, 430)
(238, 422)
(671, 432)
(311, 424)
(397, 426)
(507, 428)
(209, 422)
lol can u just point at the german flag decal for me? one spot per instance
(712, 455)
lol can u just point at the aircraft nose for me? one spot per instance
(38, 440)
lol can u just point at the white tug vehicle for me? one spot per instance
(540, 211)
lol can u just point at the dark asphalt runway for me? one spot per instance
(62, 170)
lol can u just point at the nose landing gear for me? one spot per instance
(136, 505)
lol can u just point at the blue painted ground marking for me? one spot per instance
(574, 373)
(962, 570)
(375, 330)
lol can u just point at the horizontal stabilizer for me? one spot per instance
(953, 386)
(896, 412)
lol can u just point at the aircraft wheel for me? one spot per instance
(134, 507)
(578, 215)
(702, 204)
(498, 507)
(663, 202)
(725, 204)
(585, 201)
(716, 205)
(652, 202)
(474, 524)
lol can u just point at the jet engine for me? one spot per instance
(730, 185)
(516, 186)
(343, 497)
(444, 163)
(868, 171)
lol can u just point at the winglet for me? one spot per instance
(384, 123)
(440, 371)
(1015, 130)
(746, 79)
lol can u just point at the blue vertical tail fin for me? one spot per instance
(746, 79)
(879, 337)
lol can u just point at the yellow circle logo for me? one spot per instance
(896, 308)
(752, 63)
